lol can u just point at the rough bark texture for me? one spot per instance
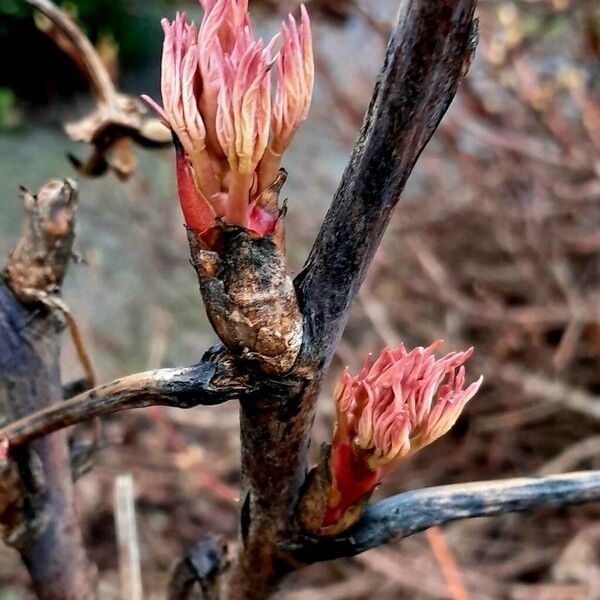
(275, 434)
(428, 54)
(118, 120)
(207, 383)
(250, 298)
(406, 514)
(31, 323)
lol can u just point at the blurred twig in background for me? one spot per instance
(118, 120)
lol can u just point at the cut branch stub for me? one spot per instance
(40, 259)
(31, 321)
(250, 298)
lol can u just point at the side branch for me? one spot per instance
(405, 514)
(428, 54)
(180, 388)
(41, 522)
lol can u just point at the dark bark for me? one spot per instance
(207, 383)
(29, 380)
(31, 322)
(406, 514)
(428, 54)
(200, 568)
(275, 434)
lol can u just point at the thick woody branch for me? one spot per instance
(180, 388)
(117, 120)
(426, 59)
(429, 52)
(405, 514)
(42, 524)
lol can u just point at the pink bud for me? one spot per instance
(244, 107)
(216, 92)
(390, 410)
(295, 80)
(293, 94)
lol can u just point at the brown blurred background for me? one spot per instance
(495, 244)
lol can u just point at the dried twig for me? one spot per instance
(180, 388)
(117, 119)
(552, 391)
(408, 513)
(31, 321)
(445, 559)
(573, 456)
